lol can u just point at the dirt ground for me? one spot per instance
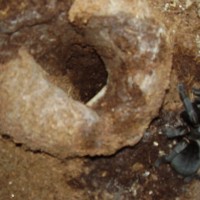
(130, 173)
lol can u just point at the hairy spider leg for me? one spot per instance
(192, 114)
(171, 132)
(177, 150)
(168, 158)
(196, 92)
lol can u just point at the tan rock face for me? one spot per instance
(136, 50)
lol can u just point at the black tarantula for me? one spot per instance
(185, 157)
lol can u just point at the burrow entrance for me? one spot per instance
(86, 71)
(81, 65)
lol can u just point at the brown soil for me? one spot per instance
(129, 174)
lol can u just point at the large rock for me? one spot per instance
(136, 50)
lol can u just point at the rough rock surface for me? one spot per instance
(37, 113)
(136, 50)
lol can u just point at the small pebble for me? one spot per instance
(174, 142)
(104, 174)
(146, 173)
(10, 183)
(160, 132)
(170, 146)
(150, 192)
(137, 167)
(154, 177)
(161, 153)
(155, 144)
(146, 136)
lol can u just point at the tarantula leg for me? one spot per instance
(196, 92)
(188, 179)
(193, 117)
(177, 149)
(171, 132)
(160, 161)
(168, 158)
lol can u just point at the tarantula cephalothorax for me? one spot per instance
(185, 157)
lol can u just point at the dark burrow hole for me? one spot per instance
(79, 63)
(86, 70)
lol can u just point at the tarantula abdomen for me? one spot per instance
(187, 161)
